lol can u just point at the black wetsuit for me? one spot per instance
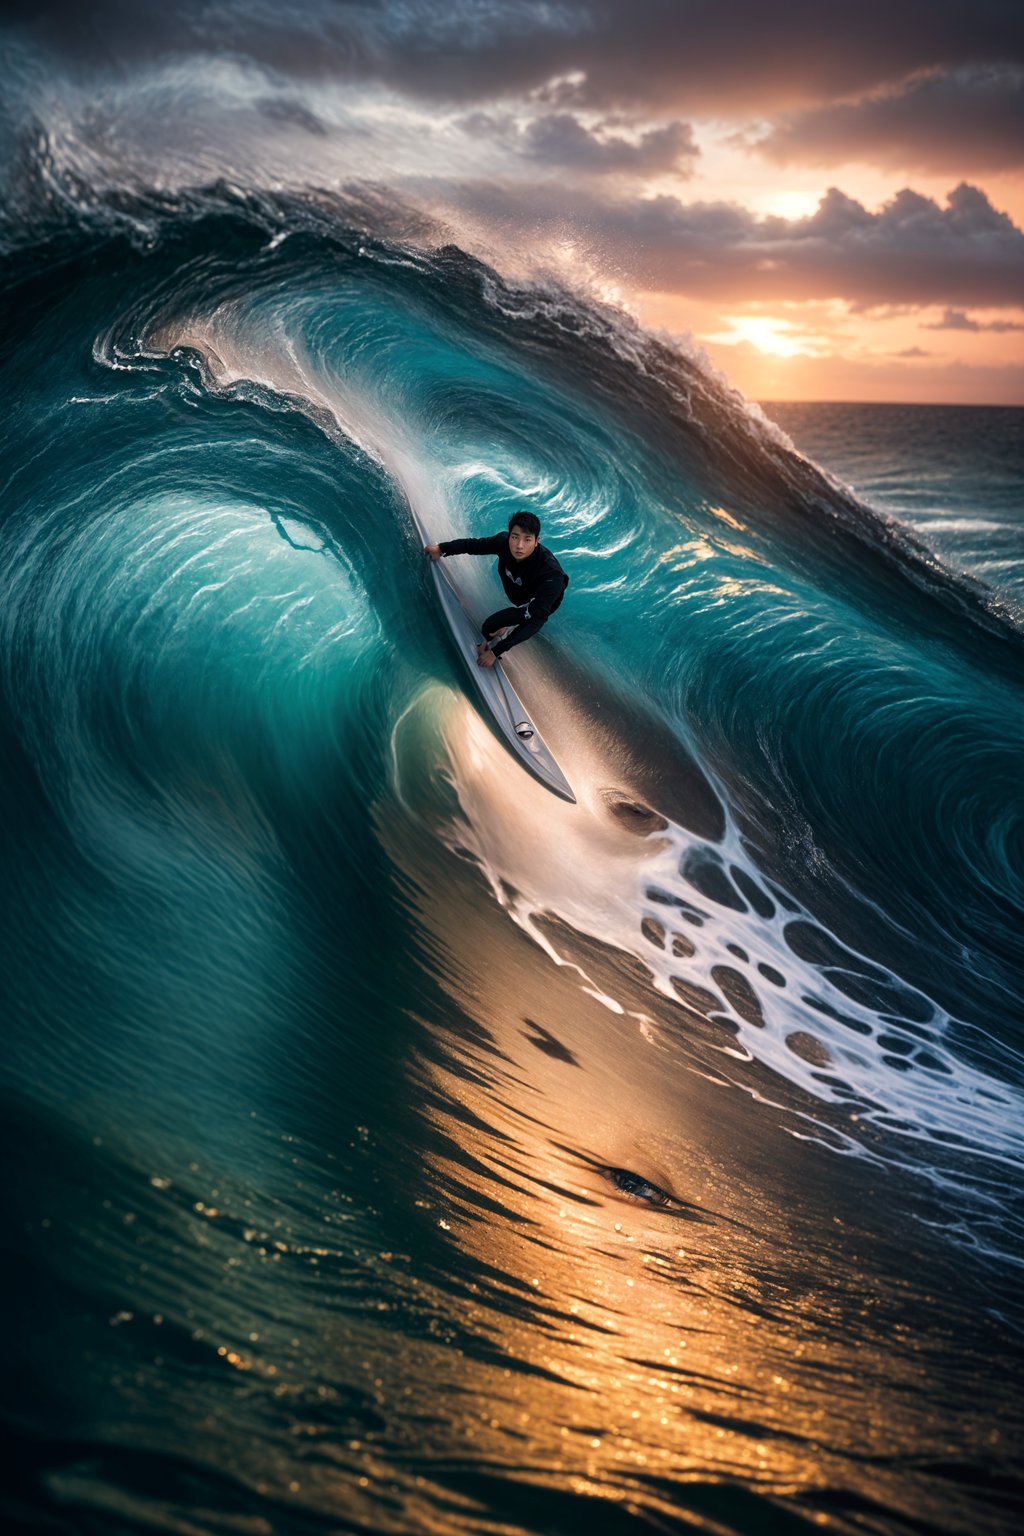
(535, 585)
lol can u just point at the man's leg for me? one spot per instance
(497, 625)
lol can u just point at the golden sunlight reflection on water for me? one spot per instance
(742, 1330)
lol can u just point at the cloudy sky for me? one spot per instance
(828, 199)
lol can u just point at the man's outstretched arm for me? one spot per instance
(492, 546)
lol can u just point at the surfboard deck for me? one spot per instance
(515, 725)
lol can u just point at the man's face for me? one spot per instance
(520, 543)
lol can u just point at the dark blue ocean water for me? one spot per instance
(952, 473)
(388, 1145)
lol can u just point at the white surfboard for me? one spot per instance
(507, 709)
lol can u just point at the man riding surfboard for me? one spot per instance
(532, 579)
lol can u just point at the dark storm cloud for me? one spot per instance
(661, 56)
(969, 119)
(561, 140)
(957, 320)
(709, 55)
(910, 252)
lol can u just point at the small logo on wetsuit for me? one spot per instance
(518, 580)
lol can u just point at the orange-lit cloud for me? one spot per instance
(910, 251)
(963, 123)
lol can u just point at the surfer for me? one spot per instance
(532, 578)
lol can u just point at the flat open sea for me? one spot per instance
(952, 473)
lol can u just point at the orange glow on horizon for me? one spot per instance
(818, 351)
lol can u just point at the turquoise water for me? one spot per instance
(389, 1145)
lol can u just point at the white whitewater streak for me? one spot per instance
(888, 1066)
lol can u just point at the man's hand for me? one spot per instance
(485, 658)
(432, 551)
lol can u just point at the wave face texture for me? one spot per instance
(389, 1145)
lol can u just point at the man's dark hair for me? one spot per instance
(527, 521)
